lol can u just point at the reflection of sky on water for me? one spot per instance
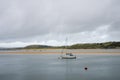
(49, 67)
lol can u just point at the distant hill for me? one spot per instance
(106, 45)
(37, 46)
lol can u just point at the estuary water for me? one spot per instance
(49, 67)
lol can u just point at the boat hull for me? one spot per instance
(68, 57)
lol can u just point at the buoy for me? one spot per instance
(86, 68)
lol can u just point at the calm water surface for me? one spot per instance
(49, 67)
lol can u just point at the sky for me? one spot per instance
(50, 22)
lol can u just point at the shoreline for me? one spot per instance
(111, 53)
(59, 51)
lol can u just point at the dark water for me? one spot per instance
(49, 67)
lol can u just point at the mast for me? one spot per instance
(65, 46)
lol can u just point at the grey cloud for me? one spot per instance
(27, 19)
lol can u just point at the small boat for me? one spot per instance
(68, 56)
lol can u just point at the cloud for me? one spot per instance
(41, 20)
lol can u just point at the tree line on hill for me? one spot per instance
(106, 45)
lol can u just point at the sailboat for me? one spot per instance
(67, 55)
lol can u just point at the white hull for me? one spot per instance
(68, 56)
